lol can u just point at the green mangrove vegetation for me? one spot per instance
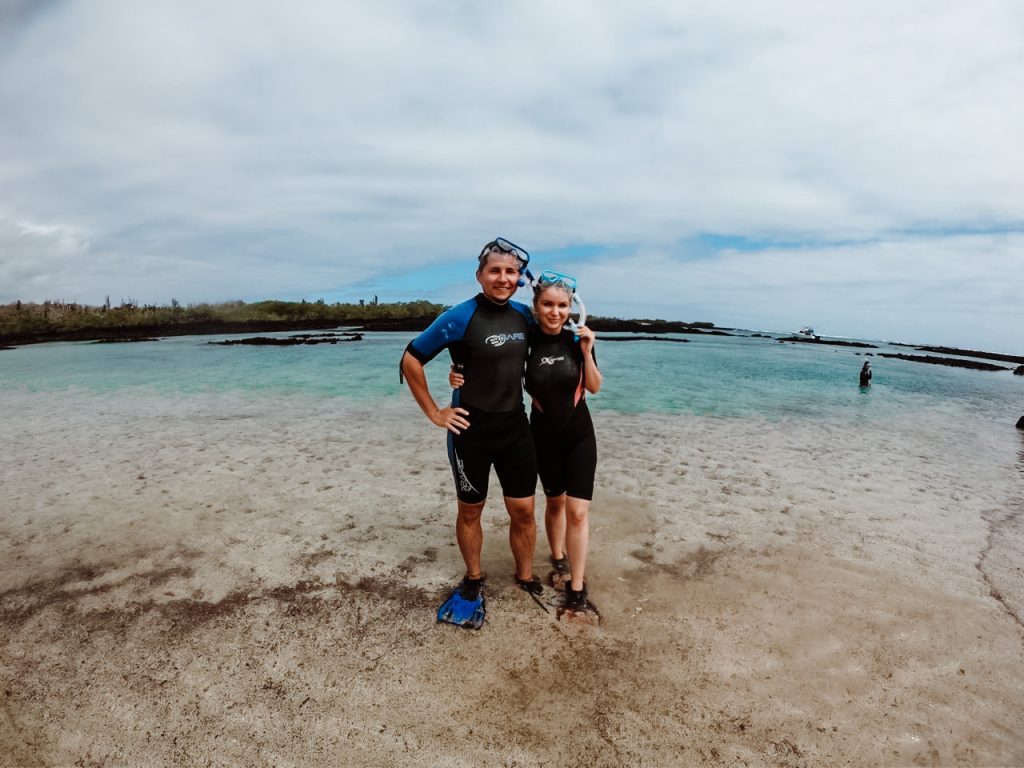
(24, 322)
(30, 322)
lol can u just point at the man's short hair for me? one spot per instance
(504, 247)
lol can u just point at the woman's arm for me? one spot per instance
(592, 377)
(455, 379)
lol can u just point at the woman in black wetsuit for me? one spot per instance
(865, 375)
(560, 369)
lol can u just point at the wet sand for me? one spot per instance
(219, 580)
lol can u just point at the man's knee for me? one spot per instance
(469, 514)
(520, 510)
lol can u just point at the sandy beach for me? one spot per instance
(223, 580)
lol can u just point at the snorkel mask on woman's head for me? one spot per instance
(551, 279)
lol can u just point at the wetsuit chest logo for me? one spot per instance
(551, 360)
(500, 339)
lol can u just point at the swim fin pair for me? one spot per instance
(465, 606)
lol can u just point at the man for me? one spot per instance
(486, 422)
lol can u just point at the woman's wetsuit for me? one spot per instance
(563, 432)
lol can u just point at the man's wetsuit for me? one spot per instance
(487, 342)
(563, 432)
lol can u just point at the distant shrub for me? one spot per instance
(57, 317)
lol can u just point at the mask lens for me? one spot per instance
(505, 246)
(550, 277)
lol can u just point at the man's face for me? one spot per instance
(499, 277)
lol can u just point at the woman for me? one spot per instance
(560, 368)
(865, 374)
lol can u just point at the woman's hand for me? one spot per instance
(455, 378)
(591, 373)
(451, 418)
(586, 337)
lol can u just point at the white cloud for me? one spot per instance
(237, 149)
(40, 256)
(959, 290)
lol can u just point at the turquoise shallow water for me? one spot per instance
(737, 376)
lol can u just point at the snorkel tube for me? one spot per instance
(574, 325)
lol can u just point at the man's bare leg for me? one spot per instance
(470, 535)
(522, 534)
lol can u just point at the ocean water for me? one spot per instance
(724, 376)
(756, 382)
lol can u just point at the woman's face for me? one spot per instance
(551, 305)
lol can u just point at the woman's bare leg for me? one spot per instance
(554, 525)
(577, 537)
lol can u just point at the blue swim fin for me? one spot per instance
(465, 606)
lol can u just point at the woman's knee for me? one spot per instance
(576, 512)
(554, 505)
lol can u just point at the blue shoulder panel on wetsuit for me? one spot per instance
(448, 328)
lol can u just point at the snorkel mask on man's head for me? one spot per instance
(501, 245)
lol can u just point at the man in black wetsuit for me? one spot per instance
(486, 422)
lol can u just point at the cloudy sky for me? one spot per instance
(855, 166)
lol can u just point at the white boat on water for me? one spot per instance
(806, 331)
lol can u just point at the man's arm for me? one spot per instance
(450, 417)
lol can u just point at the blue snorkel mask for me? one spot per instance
(501, 245)
(549, 278)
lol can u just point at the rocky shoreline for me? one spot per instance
(828, 342)
(951, 361)
(141, 332)
(409, 324)
(617, 325)
(644, 338)
(292, 341)
(967, 353)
